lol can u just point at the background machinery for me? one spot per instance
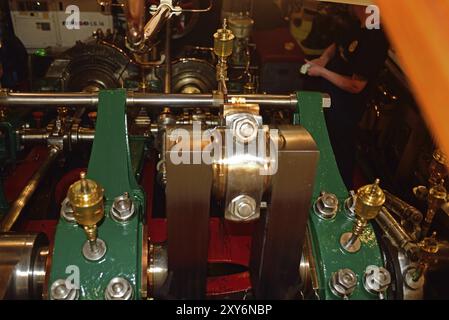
(145, 168)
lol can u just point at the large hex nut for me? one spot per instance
(245, 128)
(326, 206)
(122, 209)
(343, 283)
(243, 208)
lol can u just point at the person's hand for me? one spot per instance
(318, 61)
(315, 70)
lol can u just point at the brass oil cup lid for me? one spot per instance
(85, 193)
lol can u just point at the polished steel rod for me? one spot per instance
(17, 207)
(82, 99)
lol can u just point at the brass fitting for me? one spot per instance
(86, 199)
(436, 198)
(368, 203)
(437, 168)
(223, 41)
(223, 47)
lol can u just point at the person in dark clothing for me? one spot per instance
(348, 69)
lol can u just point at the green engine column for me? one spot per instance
(110, 166)
(325, 234)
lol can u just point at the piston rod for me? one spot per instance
(83, 99)
(20, 203)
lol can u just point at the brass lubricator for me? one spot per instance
(369, 201)
(437, 172)
(223, 47)
(86, 198)
(437, 168)
(436, 198)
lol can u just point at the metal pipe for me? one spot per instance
(168, 69)
(135, 16)
(397, 235)
(33, 135)
(84, 99)
(20, 203)
(402, 209)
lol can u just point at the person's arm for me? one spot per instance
(327, 55)
(354, 84)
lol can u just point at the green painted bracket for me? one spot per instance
(110, 166)
(8, 154)
(326, 234)
(8, 147)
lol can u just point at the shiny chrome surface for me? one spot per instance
(78, 99)
(157, 271)
(22, 265)
(22, 200)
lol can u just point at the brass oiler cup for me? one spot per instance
(86, 199)
(368, 203)
(223, 42)
(370, 200)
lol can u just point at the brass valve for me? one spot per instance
(368, 203)
(437, 169)
(86, 199)
(223, 41)
(223, 47)
(436, 198)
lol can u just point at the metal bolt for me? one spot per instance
(376, 279)
(60, 291)
(343, 282)
(122, 209)
(245, 128)
(350, 205)
(119, 289)
(326, 206)
(67, 211)
(410, 282)
(243, 207)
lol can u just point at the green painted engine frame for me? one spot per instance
(110, 165)
(329, 255)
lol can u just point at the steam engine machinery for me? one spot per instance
(135, 175)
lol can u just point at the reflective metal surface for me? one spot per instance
(22, 200)
(143, 99)
(22, 265)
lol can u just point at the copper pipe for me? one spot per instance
(135, 16)
(168, 69)
(24, 197)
